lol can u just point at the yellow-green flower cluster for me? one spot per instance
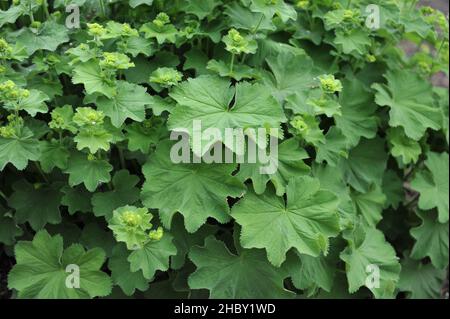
(132, 225)
(166, 77)
(330, 84)
(424, 67)
(128, 31)
(96, 30)
(299, 124)
(57, 121)
(131, 219)
(115, 61)
(433, 17)
(371, 58)
(36, 24)
(87, 116)
(161, 20)
(157, 234)
(237, 43)
(62, 119)
(5, 50)
(10, 130)
(10, 92)
(302, 4)
(349, 14)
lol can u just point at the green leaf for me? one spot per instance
(184, 241)
(153, 256)
(225, 275)
(274, 7)
(293, 74)
(239, 72)
(201, 189)
(47, 37)
(90, 74)
(129, 102)
(93, 139)
(9, 229)
(36, 204)
(433, 185)
(53, 154)
(373, 250)
(95, 235)
(141, 137)
(207, 99)
(90, 172)
(138, 45)
(365, 165)
(124, 193)
(40, 272)
(121, 274)
(410, 100)
(289, 161)
(402, 147)
(431, 240)
(393, 189)
(333, 149)
(77, 199)
(200, 8)
(135, 3)
(165, 34)
(242, 18)
(304, 222)
(419, 280)
(370, 204)
(11, 15)
(413, 21)
(310, 272)
(357, 117)
(34, 103)
(333, 180)
(356, 40)
(19, 150)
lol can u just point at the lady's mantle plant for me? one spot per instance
(359, 203)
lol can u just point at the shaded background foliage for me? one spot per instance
(122, 144)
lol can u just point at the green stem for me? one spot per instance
(16, 124)
(45, 6)
(121, 158)
(310, 20)
(349, 3)
(102, 8)
(232, 63)
(3, 196)
(437, 54)
(440, 48)
(258, 25)
(31, 15)
(41, 172)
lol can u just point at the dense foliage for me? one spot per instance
(86, 178)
